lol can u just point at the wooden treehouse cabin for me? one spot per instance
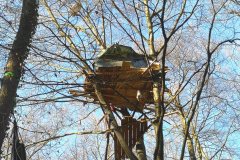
(125, 80)
(124, 77)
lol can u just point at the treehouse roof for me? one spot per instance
(116, 54)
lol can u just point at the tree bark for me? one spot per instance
(150, 30)
(191, 148)
(189, 140)
(159, 113)
(17, 55)
(141, 151)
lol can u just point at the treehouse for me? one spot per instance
(124, 77)
(125, 80)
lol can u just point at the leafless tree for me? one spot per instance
(198, 41)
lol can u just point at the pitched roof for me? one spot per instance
(116, 54)
(117, 50)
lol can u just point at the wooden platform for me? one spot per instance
(124, 79)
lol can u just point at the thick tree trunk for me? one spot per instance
(17, 55)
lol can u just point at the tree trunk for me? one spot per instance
(189, 140)
(159, 150)
(141, 151)
(17, 55)
(191, 148)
